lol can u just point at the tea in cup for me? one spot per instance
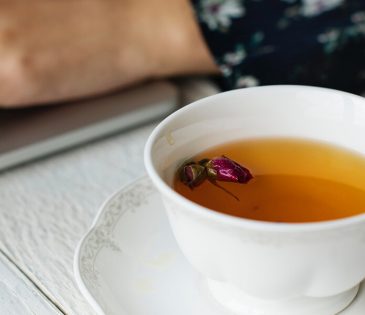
(290, 241)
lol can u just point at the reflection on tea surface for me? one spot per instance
(295, 180)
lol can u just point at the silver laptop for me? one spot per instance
(30, 133)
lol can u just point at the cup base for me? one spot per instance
(238, 302)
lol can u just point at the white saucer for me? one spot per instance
(129, 263)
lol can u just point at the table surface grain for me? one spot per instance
(47, 206)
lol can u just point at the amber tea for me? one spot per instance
(293, 181)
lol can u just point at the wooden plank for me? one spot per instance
(47, 206)
(18, 295)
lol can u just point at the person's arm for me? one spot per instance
(52, 51)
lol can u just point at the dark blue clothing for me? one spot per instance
(310, 42)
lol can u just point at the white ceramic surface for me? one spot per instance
(129, 262)
(251, 264)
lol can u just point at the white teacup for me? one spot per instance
(255, 267)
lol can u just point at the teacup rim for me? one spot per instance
(188, 205)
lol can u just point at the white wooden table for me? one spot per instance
(47, 206)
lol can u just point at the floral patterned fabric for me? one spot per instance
(310, 42)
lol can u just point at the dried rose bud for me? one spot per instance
(192, 174)
(226, 170)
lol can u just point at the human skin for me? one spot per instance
(53, 51)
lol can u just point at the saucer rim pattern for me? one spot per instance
(99, 236)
